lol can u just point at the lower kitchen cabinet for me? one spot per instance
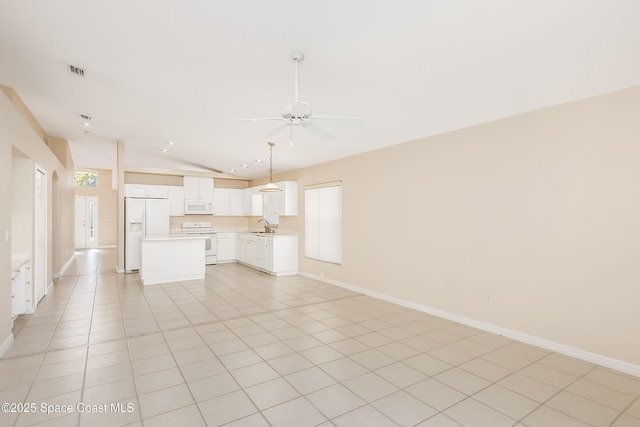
(244, 248)
(226, 247)
(282, 252)
(20, 285)
(274, 254)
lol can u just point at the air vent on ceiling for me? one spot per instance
(77, 70)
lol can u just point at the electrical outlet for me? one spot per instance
(489, 298)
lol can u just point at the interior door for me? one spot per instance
(86, 222)
(40, 250)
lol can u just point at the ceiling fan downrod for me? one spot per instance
(297, 56)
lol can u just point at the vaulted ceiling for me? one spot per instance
(159, 71)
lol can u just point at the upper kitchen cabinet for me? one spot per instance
(146, 191)
(227, 201)
(253, 202)
(196, 188)
(176, 200)
(221, 201)
(235, 201)
(282, 203)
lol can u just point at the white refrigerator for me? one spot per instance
(143, 218)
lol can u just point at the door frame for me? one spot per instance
(41, 222)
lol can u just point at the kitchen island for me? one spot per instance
(171, 259)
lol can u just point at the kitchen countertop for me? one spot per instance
(262, 233)
(170, 237)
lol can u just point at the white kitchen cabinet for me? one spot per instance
(244, 248)
(282, 254)
(226, 247)
(197, 188)
(276, 254)
(176, 200)
(221, 201)
(20, 285)
(235, 202)
(282, 203)
(146, 191)
(227, 201)
(253, 202)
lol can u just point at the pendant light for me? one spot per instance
(270, 187)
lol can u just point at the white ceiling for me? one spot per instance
(161, 70)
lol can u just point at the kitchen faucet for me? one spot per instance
(267, 226)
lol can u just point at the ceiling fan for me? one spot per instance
(297, 113)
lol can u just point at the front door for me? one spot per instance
(86, 223)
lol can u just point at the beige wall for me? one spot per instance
(152, 179)
(166, 179)
(107, 207)
(60, 147)
(20, 135)
(541, 211)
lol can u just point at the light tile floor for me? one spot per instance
(242, 348)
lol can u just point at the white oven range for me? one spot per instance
(205, 229)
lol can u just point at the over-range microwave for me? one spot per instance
(198, 206)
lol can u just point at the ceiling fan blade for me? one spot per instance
(311, 127)
(257, 119)
(276, 131)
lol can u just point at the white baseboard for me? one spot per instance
(65, 267)
(107, 247)
(577, 353)
(6, 344)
